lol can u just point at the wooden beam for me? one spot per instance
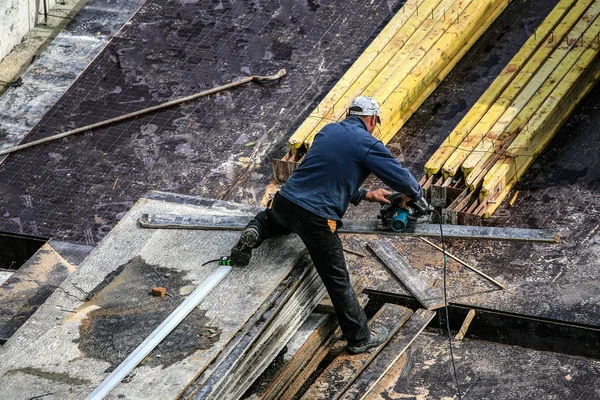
(380, 51)
(407, 334)
(342, 372)
(465, 325)
(237, 222)
(465, 24)
(537, 90)
(540, 129)
(380, 79)
(487, 120)
(29, 287)
(429, 297)
(546, 28)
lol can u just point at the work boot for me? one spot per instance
(377, 337)
(242, 251)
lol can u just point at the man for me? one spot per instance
(314, 199)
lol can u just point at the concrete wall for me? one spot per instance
(17, 17)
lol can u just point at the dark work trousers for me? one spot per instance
(325, 248)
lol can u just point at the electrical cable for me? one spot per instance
(446, 306)
(210, 261)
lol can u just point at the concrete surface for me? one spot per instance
(17, 17)
(55, 67)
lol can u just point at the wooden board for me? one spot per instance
(68, 346)
(340, 374)
(546, 28)
(5, 274)
(29, 287)
(301, 356)
(277, 333)
(491, 115)
(367, 380)
(429, 297)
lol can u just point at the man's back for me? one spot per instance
(339, 160)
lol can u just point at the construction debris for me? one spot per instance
(345, 368)
(465, 325)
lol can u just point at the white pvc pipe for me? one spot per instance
(159, 333)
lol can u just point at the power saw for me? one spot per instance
(393, 216)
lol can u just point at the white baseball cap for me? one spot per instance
(364, 105)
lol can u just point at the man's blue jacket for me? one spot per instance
(341, 157)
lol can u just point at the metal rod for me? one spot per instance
(237, 222)
(254, 78)
(501, 286)
(159, 333)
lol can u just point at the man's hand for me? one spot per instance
(378, 196)
(404, 201)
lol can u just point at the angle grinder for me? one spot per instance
(394, 216)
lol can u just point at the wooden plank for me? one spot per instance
(464, 25)
(472, 138)
(546, 28)
(249, 362)
(407, 334)
(537, 90)
(566, 105)
(521, 153)
(465, 325)
(429, 297)
(44, 358)
(381, 49)
(340, 374)
(449, 65)
(304, 352)
(383, 80)
(29, 287)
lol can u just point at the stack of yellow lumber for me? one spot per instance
(525, 106)
(403, 65)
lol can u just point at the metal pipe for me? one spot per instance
(258, 79)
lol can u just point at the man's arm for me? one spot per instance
(382, 163)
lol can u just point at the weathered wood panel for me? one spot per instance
(429, 297)
(389, 355)
(340, 374)
(70, 344)
(29, 287)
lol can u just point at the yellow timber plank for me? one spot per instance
(408, 58)
(440, 77)
(589, 43)
(380, 79)
(546, 28)
(405, 94)
(535, 93)
(576, 84)
(454, 162)
(389, 39)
